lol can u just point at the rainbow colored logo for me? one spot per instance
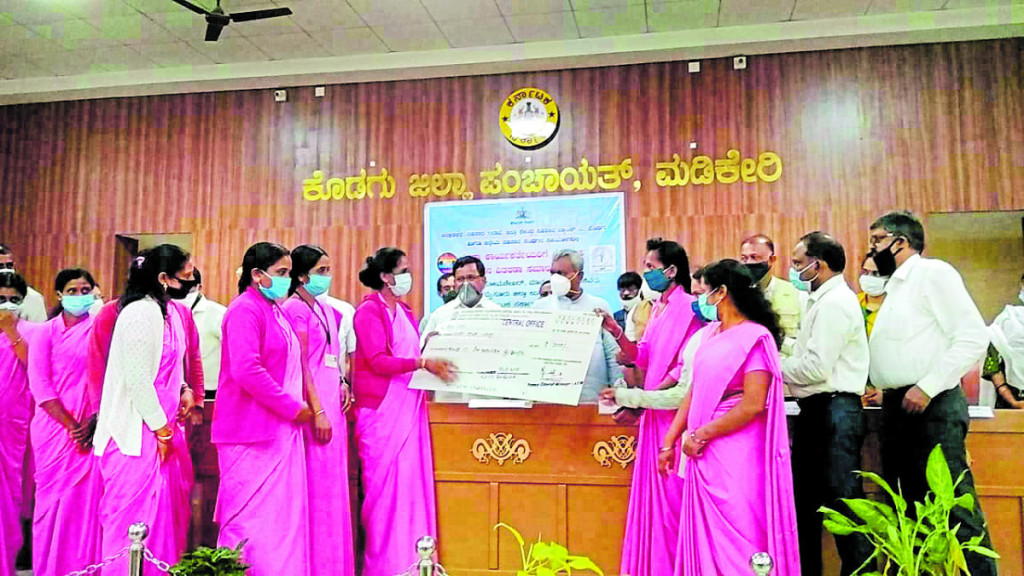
(445, 262)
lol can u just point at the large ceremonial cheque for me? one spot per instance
(540, 355)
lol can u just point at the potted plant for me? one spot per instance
(922, 545)
(548, 559)
(205, 561)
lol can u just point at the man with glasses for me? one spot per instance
(470, 280)
(33, 308)
(927, 335)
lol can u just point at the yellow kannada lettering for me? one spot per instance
(702, 170)
(765, 161)
(313, 188)
(490, 180)
(727, 170)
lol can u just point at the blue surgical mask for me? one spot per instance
(318, 285)
(279, 286)
(77, 305)
(709, 312)
(798, 283)
(657, 280)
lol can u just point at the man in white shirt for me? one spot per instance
(33, 308)
(827, 373)
(567, 294)
(446, 290)
(928, 334)
(209, 316)
(470, 282)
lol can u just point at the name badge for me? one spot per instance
(331, 360)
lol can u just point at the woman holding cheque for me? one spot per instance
(392, 430)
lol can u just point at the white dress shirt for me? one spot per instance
(209, 316)
(346, 333)
(604, 369)
(928, 331)
(438, 318)
(831, 350)
(33, 308)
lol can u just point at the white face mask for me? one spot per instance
(1020, 295)
(10, 307)
(631, 303)
(872, 285)
(560, 285)
(403, 284)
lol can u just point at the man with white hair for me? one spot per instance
(567, 294)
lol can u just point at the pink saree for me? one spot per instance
(397, 467)
(263, 494)
(144, 489)
(326, 464)
(652, 519)
(738, 496)
(65, 526)
(15, 411)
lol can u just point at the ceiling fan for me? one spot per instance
(217, 19)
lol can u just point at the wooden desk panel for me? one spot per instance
(561, 492)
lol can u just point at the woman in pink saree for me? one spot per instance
(15, 411)
(258, 424)
(65, 526)
(737, 479)
(316, 326)
(652, 520)
(144, 458)
(392, 430)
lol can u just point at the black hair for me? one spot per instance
(144, 274)
(902, 223)
(441, 280)
(542, 285)
(698, 274)
(672, 254)
(65, 276)
(15, 281)
(383, 261)
(1022, 277)
(466, 261)
(746, 296)
(825, 248)
(759, 238)
(304, 259)
(630, 280)
(259, 256)
(6, 250)
(197, 276)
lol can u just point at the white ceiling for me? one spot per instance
(83, 38)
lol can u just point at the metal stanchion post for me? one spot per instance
(137, 533)
(425, 549)
(761, 563)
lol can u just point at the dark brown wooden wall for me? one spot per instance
(931, 128)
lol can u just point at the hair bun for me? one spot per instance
(369, 260)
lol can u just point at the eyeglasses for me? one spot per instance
(470, 278)
(11, 299)
(874, 239)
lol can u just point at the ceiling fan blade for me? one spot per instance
(260, 14)
(213, 30)
(191, 6)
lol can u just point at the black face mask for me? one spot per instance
(758, 269)
(182, 292)
(885, 259)
(449, 296)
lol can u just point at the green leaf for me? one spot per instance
(841, 529)
(584, 563)
(983, 551)
(897, 500)
(965, 501)
(559, 553)
(541, 552)
(544, 571)
(867, 511)
(939, 479)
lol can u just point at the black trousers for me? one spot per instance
(827, 439)
(908, 439)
